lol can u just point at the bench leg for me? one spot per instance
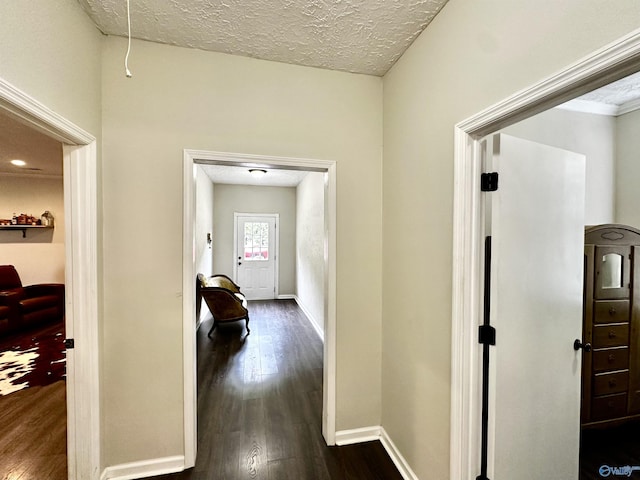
(215, 324)
(247, 325)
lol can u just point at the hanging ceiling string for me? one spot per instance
(126, 58)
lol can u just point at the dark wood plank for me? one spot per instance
(33, 421)
(34, 433)
(260, 405)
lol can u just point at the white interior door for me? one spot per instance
(537, 228)
(256, 255)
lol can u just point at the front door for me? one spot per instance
(256, 255)
(536, 222)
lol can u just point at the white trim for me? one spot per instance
(396, 457)
(276, 261)
(81, 275)
(286, 296)
(190, 158)
(312, 320)
(330, 299)
(630, 106)
(189, 326)
(605, 65)
(24, 107)
(81, 278)
(368, 434)
(358, 435)
(143, 469)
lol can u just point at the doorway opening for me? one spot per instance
(192, 159)
(32, 352)
(80, 274)
(609, 64)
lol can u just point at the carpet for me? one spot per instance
(34, 359)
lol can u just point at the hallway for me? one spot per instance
(260, 404)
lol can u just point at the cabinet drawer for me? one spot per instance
(608, 383)
(612, 311)
(609, 406)
(610, 359)
(614, 335)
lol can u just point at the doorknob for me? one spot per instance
(577, 345)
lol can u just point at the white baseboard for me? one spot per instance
(312, 320)
(145, 468)
(357, 435)
(399, 461)
(286, 296)
(367, 434)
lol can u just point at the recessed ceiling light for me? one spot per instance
(18, 163)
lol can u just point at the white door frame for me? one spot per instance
(81, 275)
(276, 247)
(607, 64)
(191, 159)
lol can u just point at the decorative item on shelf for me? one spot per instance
(24, 219)
(14, 219)
(46, 219)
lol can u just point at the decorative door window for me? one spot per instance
(256, 241)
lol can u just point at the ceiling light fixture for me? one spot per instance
(257, 172)
(18, 163)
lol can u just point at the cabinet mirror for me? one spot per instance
(611, 271)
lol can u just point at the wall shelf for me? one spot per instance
(24, 228)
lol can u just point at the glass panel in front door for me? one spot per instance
(256, 241)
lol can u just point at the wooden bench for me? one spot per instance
(223, 298)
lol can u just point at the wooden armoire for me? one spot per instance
(611, 325)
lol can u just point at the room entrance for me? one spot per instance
(328, 258)
(80, 272)
(612, 63)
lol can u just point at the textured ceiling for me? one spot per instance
(361, 36)
(617, 93)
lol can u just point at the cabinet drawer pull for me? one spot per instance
(612, 311)
(609, 404)
(611, 358)
(612, 334)
(612, 383)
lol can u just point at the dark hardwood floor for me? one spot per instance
(260, 405)
(610, 447)
(33, 421)
(34, 434)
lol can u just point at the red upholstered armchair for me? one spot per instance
(24, 307)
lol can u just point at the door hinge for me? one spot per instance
(489, 182)
(69, 343)
(486, 335)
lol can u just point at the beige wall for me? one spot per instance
(180, 98)
(51, 51)
(230, 199)
(628, 169)
(471, 56)
(586, 133)
(39, 257)
(310, 290)
(204, 226)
